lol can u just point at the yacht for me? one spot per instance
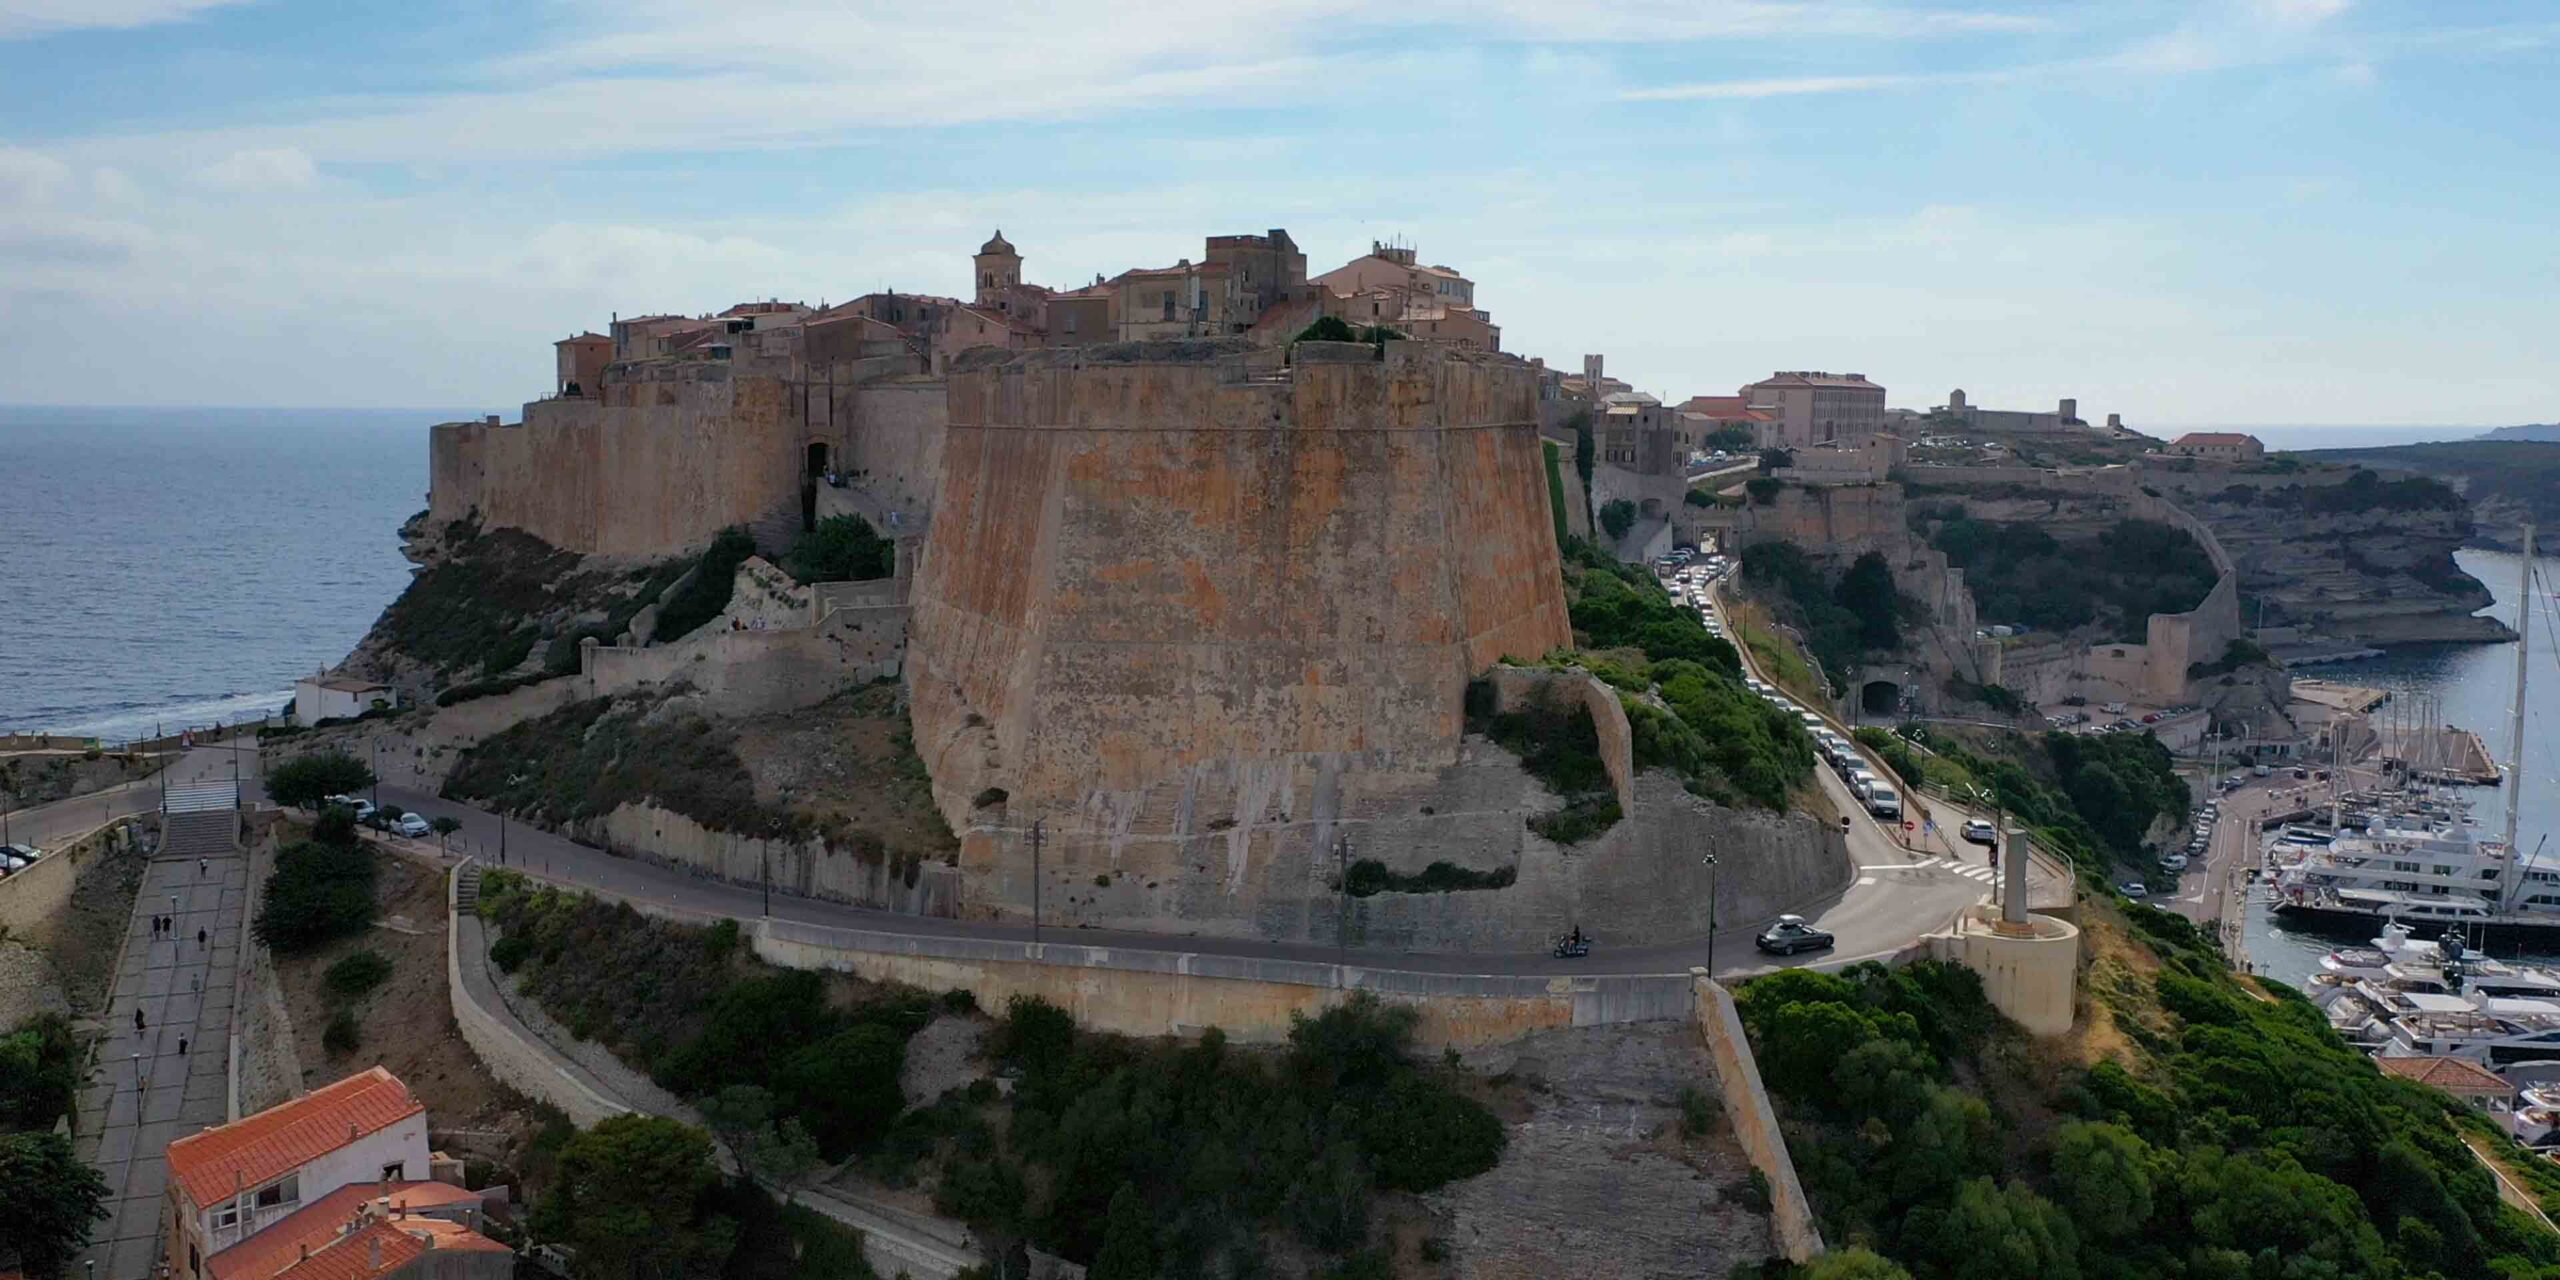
(2409, 997)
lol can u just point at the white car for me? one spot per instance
(2174, 862)
(413, 826)
(2134, 889)
(1980, 831)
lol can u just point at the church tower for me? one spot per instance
(999, 270)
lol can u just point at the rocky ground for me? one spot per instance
(29, 778)
(850, 757)
(66, 963)
(1598, 1178)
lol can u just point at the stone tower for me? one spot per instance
(999, 269)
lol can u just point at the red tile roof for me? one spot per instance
(315, 1225)
(2453, 1075)
(254, 1150)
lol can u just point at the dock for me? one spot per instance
(2448, 755)
(2354, 698)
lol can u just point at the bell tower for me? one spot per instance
(999, 269)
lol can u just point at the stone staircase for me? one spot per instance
(200, 820)
(466, 889)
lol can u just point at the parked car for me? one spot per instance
(1981, 832)
(2174, 862)
(18, 857)
(2134, 889)
(1788, 935)
(414, 826)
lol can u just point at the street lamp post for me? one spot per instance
(1342, 913)
(1037, 831)
(1710, 860)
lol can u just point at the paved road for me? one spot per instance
(141, 1091)
(49, 825)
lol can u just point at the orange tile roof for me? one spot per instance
(254, 1150)
(376, 1249)
(315, 1225)
(2453, 1075)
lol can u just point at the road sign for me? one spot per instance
(1906, 825)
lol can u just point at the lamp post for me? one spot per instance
(1037, 832)
(374, 746)
(1710, 860)
(1342, 911)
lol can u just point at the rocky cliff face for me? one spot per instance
(2349, 579)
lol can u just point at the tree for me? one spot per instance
(39, 1072)
(1617, 516)
(1852, 1264)
(1996, 1234)
(776, 1154)
(841, 549)
(305, 781)
(1730, 439)
(2099, 1174)
(846, 1086)
(318, 891)
(1772, 459)
(444, 825)
(628, 1200)
(48, 1200)
(1128, 1239)
(1327, 329)
(1867, 592)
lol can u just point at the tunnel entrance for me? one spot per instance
(1880, 698)
(817, 457)
(809, 485)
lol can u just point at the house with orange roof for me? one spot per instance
(2466, 1080)
(332, 1231)
(231, 1182)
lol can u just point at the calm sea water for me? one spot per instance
(177, 567)
(2477, 686)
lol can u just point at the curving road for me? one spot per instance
(1895, 896)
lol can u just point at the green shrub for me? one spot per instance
(319, 892)
(1327, 329)
(1616, 517)
(1370, 876)
(1700, 1112)
(509, 952)
(342, 1036)
(701, 597)
(306, 780)
(40, 1069)
(589, 758)
(356, 973)
(841, 549)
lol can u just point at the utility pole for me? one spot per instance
(374, 745)
(1036, 833)
(1342, 913)
(764, 858)
(502, 837)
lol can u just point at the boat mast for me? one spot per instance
(2514, 880)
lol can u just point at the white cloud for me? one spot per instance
(20, 18)
(1786, 87)
(2300, 12)
(260, 169)
(27, 176)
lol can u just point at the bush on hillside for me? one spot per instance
(841, 549)
(356, 973)
(305, 781)
(701, 597)
(321, 890)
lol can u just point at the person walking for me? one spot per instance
(138, 1024)
(203, 867)
(182, 1046)
(199, 937)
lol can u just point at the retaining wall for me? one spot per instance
(1156, 993)
(265, 1068)
(510, 1057)
(40, 892)
(1755, 1124)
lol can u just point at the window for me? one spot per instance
(396, 1171)
(284, 1190)
(1067, 322)
(226, 1217)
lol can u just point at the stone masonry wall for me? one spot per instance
(649, 479)
(1187, 614)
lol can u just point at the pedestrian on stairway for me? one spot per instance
(199, 937)
(138, 1024)
(203, 866)
(182, 1046)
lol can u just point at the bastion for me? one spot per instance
(1195, 614)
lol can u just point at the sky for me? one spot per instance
(2249, 211)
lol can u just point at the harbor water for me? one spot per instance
(2475, 687)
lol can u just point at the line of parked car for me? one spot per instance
(2176, 861)
(413, 825)
(15, 858)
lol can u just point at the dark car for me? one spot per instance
(1790, 935)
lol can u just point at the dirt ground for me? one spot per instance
(41, 777)
(406, 1024)
(848, 756)
(1598, 1179)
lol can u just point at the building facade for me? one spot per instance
(1811, 407)
(2220, 446)
(230, 1182)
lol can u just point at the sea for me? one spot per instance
(162, 568)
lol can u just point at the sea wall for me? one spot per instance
(1186, 613)
(1755, 1123)
(655, 471)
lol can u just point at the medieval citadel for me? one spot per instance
(1183, 604)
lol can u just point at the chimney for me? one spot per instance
(306, 1251)
(373, 1255)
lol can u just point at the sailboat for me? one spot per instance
(2421, 864)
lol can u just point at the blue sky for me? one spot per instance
(2256, 211)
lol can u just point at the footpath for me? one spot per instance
(142, 1091)
(585, 1079)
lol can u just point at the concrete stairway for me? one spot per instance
(200, 820)
(466, 889)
